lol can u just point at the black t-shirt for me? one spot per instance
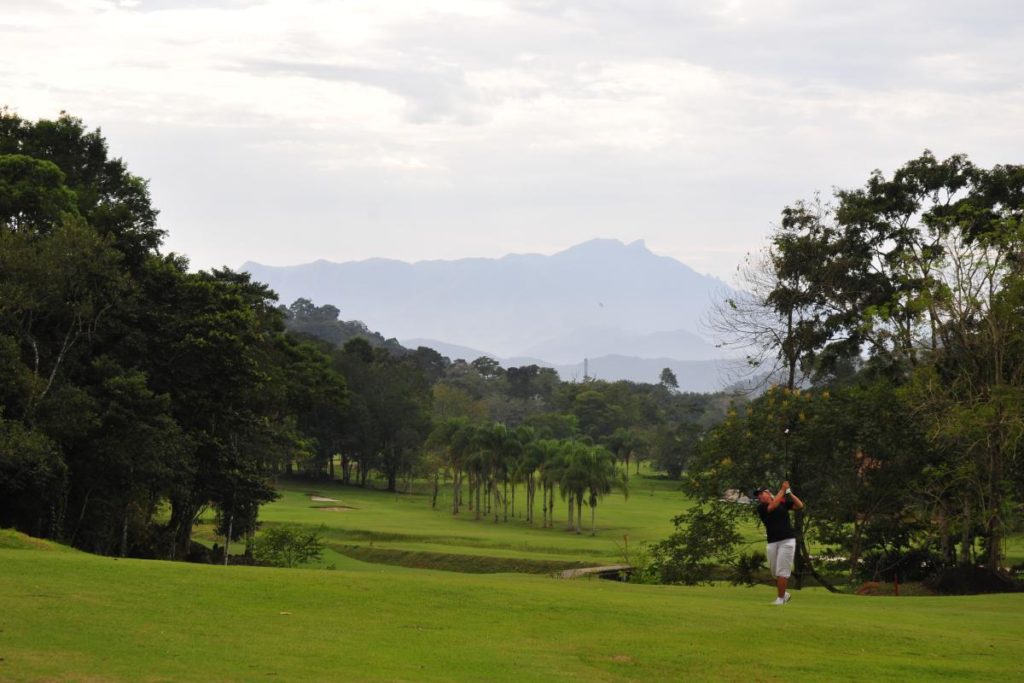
(776, 522)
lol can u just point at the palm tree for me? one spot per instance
(549, 456)
(624, 443)
(452, 438)
(476, 461)
(601, 478)
(522, 466)
(502, 446)
(572, 482)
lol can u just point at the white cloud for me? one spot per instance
(459, 127)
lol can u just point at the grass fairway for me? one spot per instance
(76, 617)
(405, 522)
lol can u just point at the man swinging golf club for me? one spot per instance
(774, 513)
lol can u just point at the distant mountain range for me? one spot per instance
(693, 375)
(619, 305)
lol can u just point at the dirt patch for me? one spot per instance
(321, 499)
(622, 658)
(336, 508)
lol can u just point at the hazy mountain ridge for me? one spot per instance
(693, 375)
(600, 298)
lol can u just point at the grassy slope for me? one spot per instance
(406, 522)
(76, 617)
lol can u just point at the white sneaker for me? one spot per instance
(783, 600)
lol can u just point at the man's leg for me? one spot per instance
(784, 566)
(772, 552)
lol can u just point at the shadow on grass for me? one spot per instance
(466, 564)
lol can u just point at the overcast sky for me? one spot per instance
(284, 131)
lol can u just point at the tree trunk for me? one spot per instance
(994, 524)
(593, 520)
(227, 539)
(551, 506)
(579, 513)
(124, 532)
(572, 500)
(855, 545)
(529, 499)
(346, 470)
(81, 516)
(965, 534)
(802, 550)
(183, 516)
(497, 499)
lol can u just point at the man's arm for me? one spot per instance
(797, 503)
(779, 497)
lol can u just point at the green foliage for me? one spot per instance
(906, 291)
(128, 383)
(704, 537)
(288, 546)
(32, 473)
(33, 195)
(747, 569)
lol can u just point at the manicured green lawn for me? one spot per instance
(76, 617)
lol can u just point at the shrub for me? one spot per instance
(746, 567)
(703, 538)
(288, 546)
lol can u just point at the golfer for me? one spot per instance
(774, 513)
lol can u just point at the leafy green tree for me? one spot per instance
(488, 368)
(110, 199)
(127, 465)
(55, 293)
(598, 417)
(624, 443)
(601, 478)
(32, 475)
(33, 196)
(128, 383)
(288, 546)
(704, 536)
(675, 446)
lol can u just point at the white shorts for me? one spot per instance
(780, 557)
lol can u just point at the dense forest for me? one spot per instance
(135, 394)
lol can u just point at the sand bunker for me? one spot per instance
(321, 499)
(337, 508)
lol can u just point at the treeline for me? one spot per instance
(895, 314)
(135, 395)
(416, 413)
